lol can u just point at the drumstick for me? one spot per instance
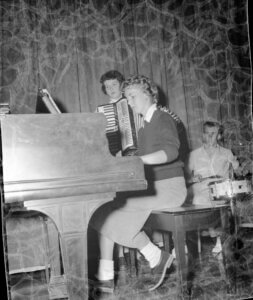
(205, 178)
(211, 177)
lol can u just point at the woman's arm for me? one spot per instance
(164, 142)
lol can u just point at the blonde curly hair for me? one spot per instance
(146, 84)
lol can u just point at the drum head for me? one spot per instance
(220, 190)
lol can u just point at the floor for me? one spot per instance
(208, 278)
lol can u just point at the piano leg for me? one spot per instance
(71, 216)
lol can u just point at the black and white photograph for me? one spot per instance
(126, 150)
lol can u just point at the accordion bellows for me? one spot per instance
(120, 130)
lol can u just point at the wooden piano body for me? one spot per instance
(60, 165)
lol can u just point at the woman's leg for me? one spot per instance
(149, 250)
(106, 264)
(158, 259)
(106, 247)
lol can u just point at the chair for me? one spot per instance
(180, 220)
(32, 243)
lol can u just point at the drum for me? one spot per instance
(226, 189)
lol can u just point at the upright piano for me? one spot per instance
(60, 165)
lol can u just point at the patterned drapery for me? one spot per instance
(196, 51)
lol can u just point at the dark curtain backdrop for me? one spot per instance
(196, 51)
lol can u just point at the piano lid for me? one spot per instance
(61, 155)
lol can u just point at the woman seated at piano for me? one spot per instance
(158, 145)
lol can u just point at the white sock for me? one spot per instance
(159, 244)
(218, 241)
(105, 269)
(152, 254)
(126, 250)
(120, 253)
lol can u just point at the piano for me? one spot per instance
(60, 165)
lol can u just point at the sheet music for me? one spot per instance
(49, 102)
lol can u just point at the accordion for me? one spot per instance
(120, 130)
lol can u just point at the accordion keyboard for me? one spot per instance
(120, 128)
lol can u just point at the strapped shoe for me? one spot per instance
(159, 270)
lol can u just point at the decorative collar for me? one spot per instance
(150, 112)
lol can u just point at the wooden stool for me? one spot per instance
(180, 220)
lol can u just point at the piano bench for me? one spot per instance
(180, 220)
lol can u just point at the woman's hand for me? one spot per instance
(155, 158)
(119, 153)
(196, 178)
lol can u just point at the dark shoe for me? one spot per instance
(159, 271)
(104, 286)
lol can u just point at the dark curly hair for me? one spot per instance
(147, 85)
(109, 75)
